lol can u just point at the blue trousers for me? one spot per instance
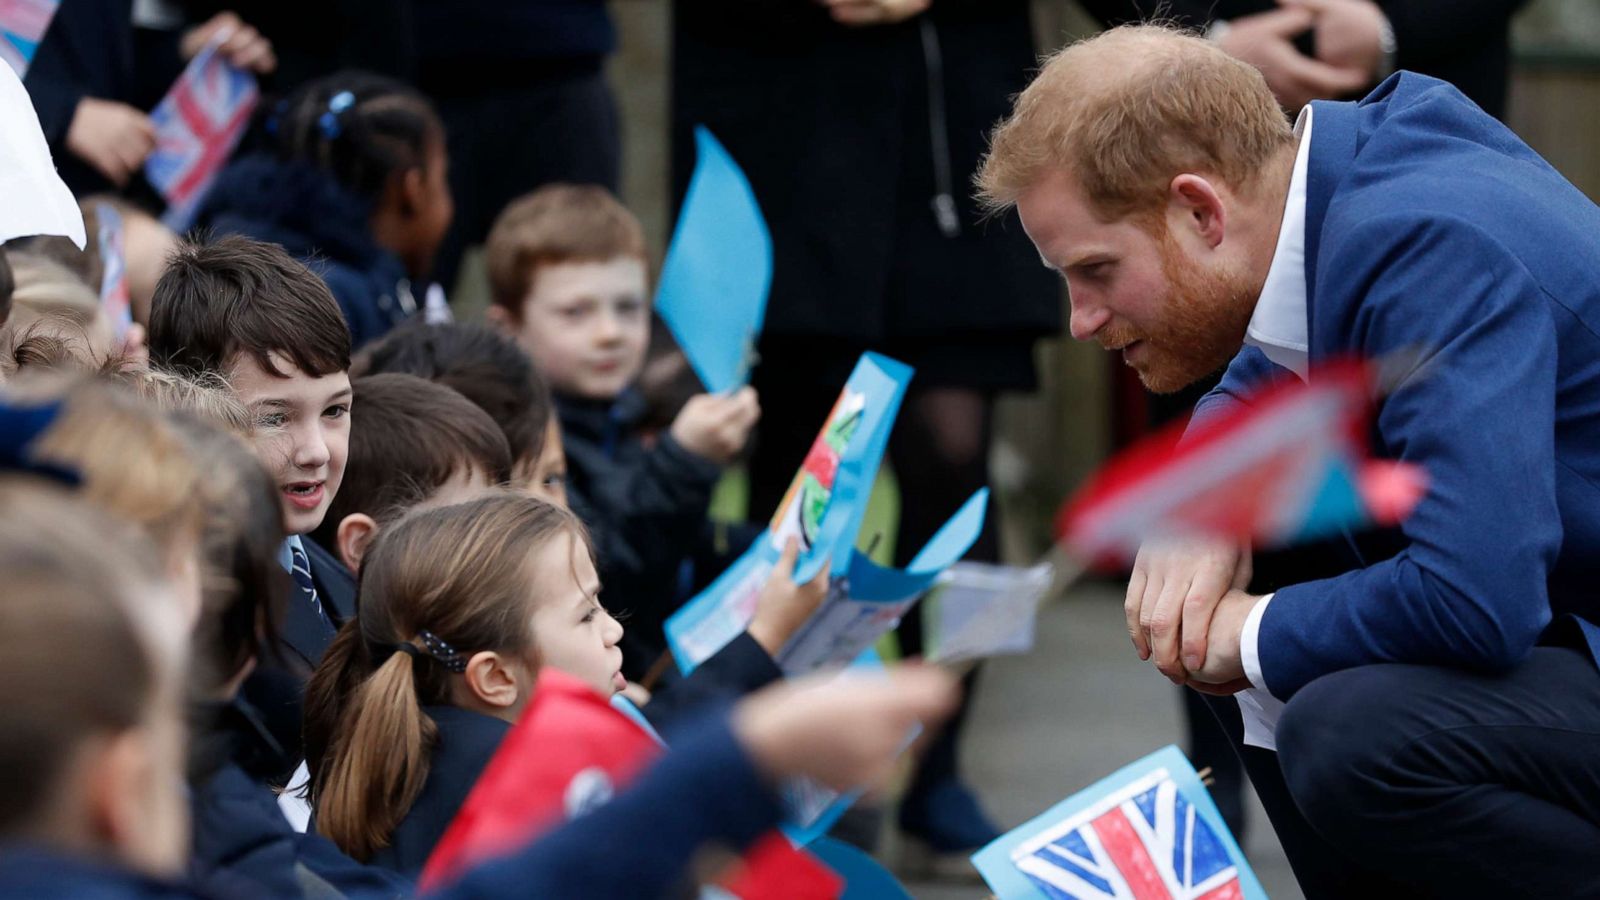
(1417, 781)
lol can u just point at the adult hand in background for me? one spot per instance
(873, 12)
(112, 137)
(783, 606)
(842, 730)
(1349, 33)
(1172, 593)
(242, 45)
(1266, 41)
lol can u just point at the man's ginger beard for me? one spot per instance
(1200, 324)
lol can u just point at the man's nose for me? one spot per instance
(1086, 320)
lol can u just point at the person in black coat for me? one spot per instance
(1326, 49)
(522, 91)
(99, 70)
(860, 144)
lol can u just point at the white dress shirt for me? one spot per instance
(1279, 328)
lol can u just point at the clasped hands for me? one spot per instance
(873, 12)
(1186, 608)
(1349, 48)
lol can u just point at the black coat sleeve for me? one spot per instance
(1427, 31)
(86, 52)
(737, 669)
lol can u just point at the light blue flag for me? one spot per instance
(714, 283)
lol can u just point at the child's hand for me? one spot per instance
(112, 137)
(842, 730)
(717, 427)
(784, 606)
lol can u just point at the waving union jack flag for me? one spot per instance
(197, 125)
(22, 26)
(1144, 842)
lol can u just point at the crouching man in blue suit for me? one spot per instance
(1435, 708)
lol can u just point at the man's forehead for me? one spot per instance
(1065, 228)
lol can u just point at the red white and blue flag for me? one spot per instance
(1143, 842)
(113, 270)
(1289, 464)
(22, 26)
(198, 124)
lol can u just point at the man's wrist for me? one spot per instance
(1249, 644)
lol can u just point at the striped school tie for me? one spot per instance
(300, 568)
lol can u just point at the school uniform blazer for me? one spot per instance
(706, 789)
(306, 635)
(1431, 229)
(276, 688)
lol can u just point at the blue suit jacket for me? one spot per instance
(1430, 227)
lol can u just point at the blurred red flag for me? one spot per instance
(571, 752)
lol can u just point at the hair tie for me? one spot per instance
(445, 654)
(328, 122)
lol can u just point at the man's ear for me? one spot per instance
(494, 680)
(353, 537)
(1196, 207)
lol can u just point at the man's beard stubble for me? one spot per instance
(1202, 324)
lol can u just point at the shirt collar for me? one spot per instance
(286, 552)
(1279, 324)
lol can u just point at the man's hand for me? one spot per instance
(1349, 33)
(1172, 594)
(783, 606)
(242, 45)
(717, 427)
(112, 137)
(873, 12)
(1223, 670)
(1265, 40)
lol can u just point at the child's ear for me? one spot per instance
(499, 318)
(118, 774)
(353, 536)
(413, 190)
(494, 680)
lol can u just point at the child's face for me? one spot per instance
(302, 433)
(546, 478)
(431, 216)
(587, 324)
(572, 631)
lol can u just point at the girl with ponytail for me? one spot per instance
(459, 608)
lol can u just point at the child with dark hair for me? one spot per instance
(249, 312)
(493, 372)
(413, 443)
(355, 185)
